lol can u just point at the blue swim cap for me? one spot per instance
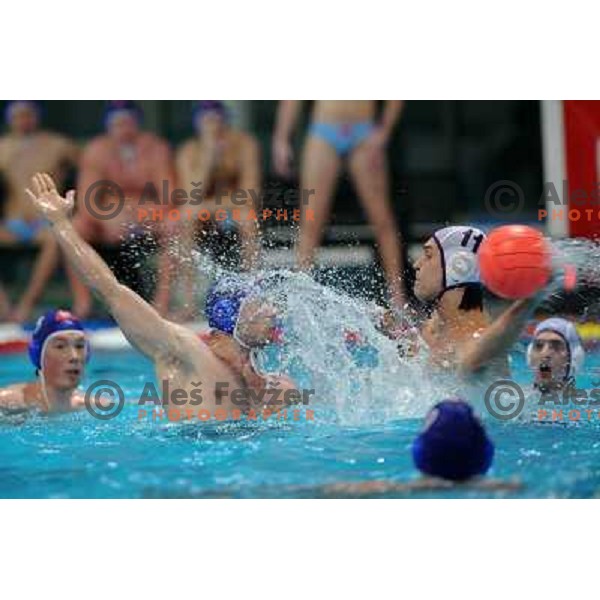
(48, 324)
(121, 106)
(223, 304)
(453, 445)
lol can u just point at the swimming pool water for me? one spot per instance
(77, 456)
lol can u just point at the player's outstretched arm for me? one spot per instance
(141, 324)
(498, 337)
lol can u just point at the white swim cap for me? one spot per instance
(458, 247)
(567, 331)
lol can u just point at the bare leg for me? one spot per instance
(369, 171)
(44, 268)
(320, 168)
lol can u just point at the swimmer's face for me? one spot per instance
(210, 122)
(549, 357)
(428, 276)
(123, 127)
(23, 119)
(64, 359)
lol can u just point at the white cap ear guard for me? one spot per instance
(567, 331)
(458, 246)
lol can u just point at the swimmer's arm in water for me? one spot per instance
(498, 337)
(141, 324)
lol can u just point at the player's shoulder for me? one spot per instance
(13, 396)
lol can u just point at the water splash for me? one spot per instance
(584, 256)
(331, 343)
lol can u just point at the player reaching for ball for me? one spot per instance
(459, 333)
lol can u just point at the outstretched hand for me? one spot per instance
(46, 199)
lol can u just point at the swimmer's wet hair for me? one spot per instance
(472, 297)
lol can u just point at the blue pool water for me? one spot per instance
(76, 456)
